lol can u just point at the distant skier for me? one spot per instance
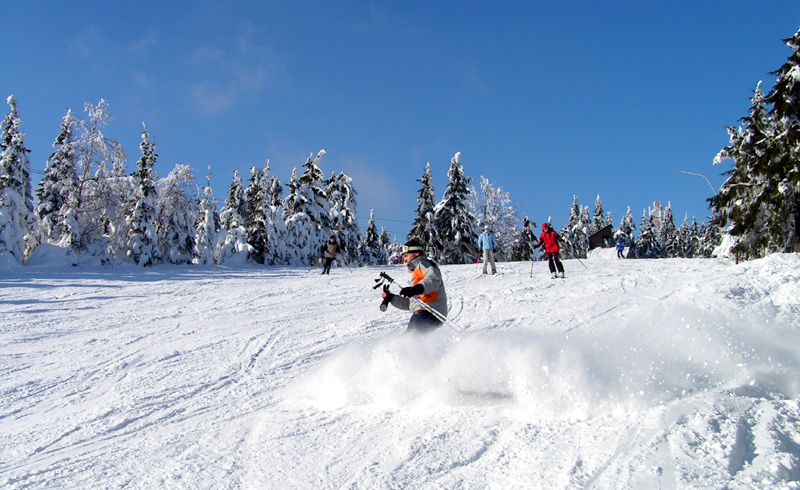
(330, 250)
(487, 244)
(550, 238)
(620, 248)
(428, 287)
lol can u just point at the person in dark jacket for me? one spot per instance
(428, 288)
(330, 250)
(550, 238)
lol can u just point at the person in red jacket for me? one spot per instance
(550, 238)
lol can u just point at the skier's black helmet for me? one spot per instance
(413, 246)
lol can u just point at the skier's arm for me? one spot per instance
(432, 280)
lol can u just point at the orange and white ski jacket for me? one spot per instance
(425, 272)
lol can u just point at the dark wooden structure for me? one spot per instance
(603, 238)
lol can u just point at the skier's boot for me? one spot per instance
(562, 275)
(555, 275)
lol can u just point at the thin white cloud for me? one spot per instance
(232, 74)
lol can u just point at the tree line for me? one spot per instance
(88, 205)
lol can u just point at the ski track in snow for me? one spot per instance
(625, 375)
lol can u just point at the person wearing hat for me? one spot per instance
(330, 251)
(487, 243)
(550, 238)
(428, 288)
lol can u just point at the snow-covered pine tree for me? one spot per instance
(692, 243)
(177, 216)
(599, 220)
(575, 234)
(370, 249)
(386, 245)
(142, 219)
(521, 247)
(454, 221)
(276, 226)
(783, 222)
(343, 217)
(17, 220)
(492, 206)
(668, 234)
(297, 228)
(255, 222)
(424, 229)
(647, 246)
(205, 227)
(232, 243)
(235, 208)
(625, 230)
(760, 200)
(308, 224)
(710, 238)
(60, 181)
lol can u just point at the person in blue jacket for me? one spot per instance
(487, 244)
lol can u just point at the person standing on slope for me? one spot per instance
(550, 238)
(428, 288)
(487, 244)
(330, 250)
(620, 249)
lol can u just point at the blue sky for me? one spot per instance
(545, 99)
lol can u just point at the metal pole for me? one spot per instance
(703, 176)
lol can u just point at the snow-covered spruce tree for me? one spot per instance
(234, 210)
(668, 234)
(386, 244)
(784, 177)
(296, 243)
(276, 226)
(370, 249)
(308, 222)
(343, 217)
(492, 206)
(255, 222)
(625, 230)
(521, 247)
(760, 200)
(738, 203)
(454, 222)
(232, 243)
(206, 228)
(60, 181)
(17, 220)
(142, 218)
(689, 237)
(710, 238)
(575, 234)
(177, 216)
(424, 229)
(647, 246)
(599, 220)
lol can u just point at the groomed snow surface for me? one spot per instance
(628, 374)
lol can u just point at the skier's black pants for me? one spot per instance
(554, 262)
(423, 321)
(327, 268)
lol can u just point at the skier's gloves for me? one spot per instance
(412, 291)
